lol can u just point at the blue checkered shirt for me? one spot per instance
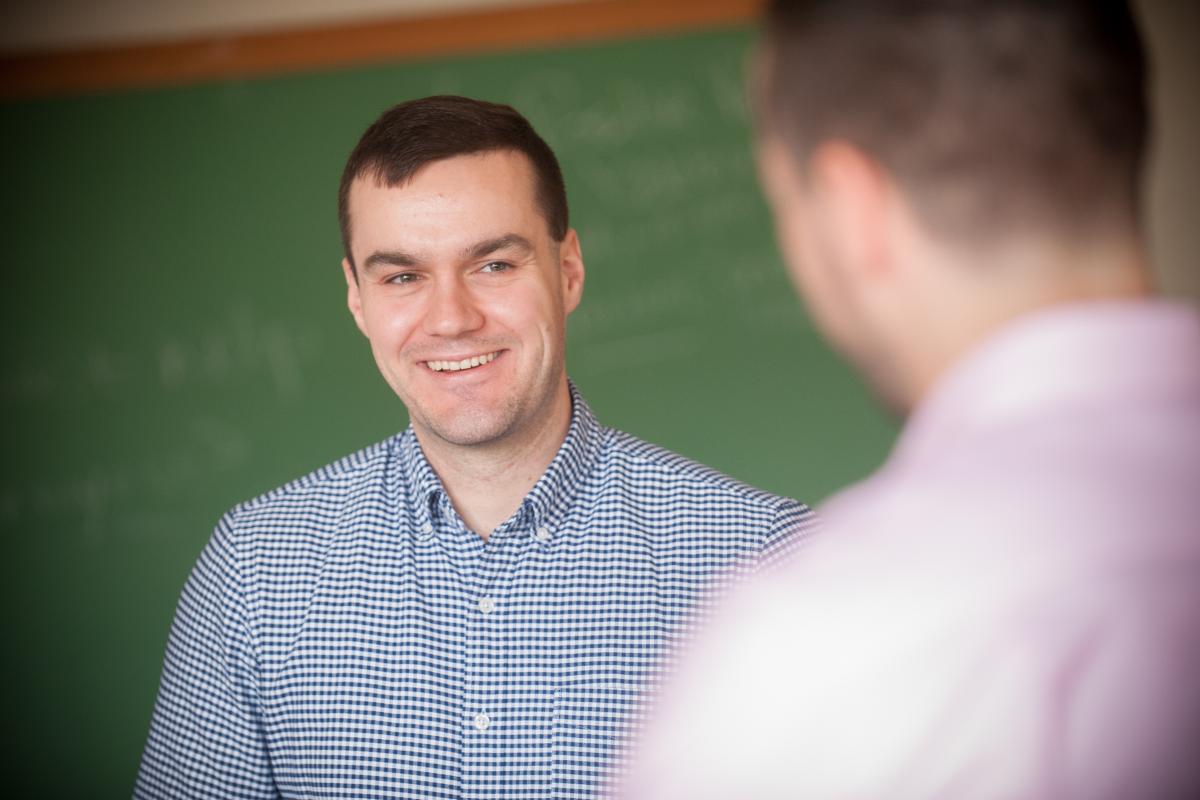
(347, 636)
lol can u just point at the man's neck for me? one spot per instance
(486, 484)
(966, 314)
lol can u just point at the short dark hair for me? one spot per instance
(992, 114)
(410, 135)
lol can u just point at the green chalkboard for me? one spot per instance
(176, 338)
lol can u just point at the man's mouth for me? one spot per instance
(457, 365)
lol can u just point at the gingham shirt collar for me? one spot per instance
(546, 502)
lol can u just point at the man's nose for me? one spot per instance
(452, 310)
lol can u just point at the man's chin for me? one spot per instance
(466, 429)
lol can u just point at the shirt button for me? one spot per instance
(542, 534)
(482, 721)
(426, 528)
(487, 605)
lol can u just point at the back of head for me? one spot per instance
(993, 115)
(413, 134)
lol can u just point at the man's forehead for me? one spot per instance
(480, 195)
(451, 204)
(471, 171)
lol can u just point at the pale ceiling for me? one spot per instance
(28, 25)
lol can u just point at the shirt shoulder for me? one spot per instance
(275, 545)
(320, 496)
(660, 468)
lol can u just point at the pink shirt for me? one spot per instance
(1009, 607)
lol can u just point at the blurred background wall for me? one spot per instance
(1172, 28)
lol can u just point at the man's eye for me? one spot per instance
(496, 266)
(403, 277)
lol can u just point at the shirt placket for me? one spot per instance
(489, 726)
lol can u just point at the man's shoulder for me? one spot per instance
(322, 492)
(641, 463)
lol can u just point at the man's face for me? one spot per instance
(464, 295)
(821, 231)
(801, 231)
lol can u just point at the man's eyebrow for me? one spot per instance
(489, 246)
(399, 258)
(391, 258)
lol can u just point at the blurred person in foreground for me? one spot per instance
(1010, 606)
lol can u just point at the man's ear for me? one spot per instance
(570, 258)
(857, 195)
(353, 297)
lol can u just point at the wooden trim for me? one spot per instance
(233, 57)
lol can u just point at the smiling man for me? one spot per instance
(476, 606)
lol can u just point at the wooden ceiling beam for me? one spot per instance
(259, 54)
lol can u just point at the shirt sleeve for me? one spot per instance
(793, 526)
(206, 737)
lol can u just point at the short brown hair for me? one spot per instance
(992, 114)
(410, 135)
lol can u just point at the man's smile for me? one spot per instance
(461, 363)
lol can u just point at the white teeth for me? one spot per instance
(466, 363)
